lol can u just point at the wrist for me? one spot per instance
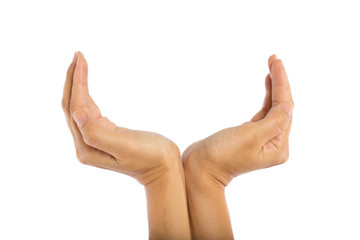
(168, 163)
(205, 192)
(168, 173)
(167, 203)
(171, 178)
(200, 177)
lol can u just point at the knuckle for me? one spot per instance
(280, 122)
(277, 123)
(90, 136)
(71, 104)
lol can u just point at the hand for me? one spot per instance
(260, 143)
(100, 143)
(150, 158)
(210, 164)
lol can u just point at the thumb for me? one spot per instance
(275, 123)
(80, 118)
(97, 136)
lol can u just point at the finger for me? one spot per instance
(67, 89)
(107, 124)
(81, 99)
(89, 155)
(280, 84)
(80, 93)
(68, 85)
(267, 101)
(92, 156)
(95, 135)
(271, 59)
(276, 122)
(85, 153)
(268, 98)
(276, 150)
(80, 146)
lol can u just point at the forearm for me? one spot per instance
(167, 206)
(209, 215)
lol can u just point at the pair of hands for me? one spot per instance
(146, 156)
(185, 194)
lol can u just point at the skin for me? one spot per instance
(210, 164)
(150, 158)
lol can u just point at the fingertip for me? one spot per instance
(76, 54)
(81, 70)
(271, 59)
(79, 53)
(277, 72)
(276, 64)
(80, 58)
(273, 56)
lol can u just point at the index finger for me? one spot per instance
(281, 92)
(80, 92)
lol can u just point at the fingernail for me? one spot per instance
(275, 56)
(79, 117)
(287, 107)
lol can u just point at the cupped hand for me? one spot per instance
(99, 142)
(260, 143)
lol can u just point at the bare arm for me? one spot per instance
(211, 163)
(167, 206)
(207, 205)
(150, 158)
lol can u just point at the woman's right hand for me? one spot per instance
(99, 142)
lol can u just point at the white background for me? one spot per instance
(185, 69)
